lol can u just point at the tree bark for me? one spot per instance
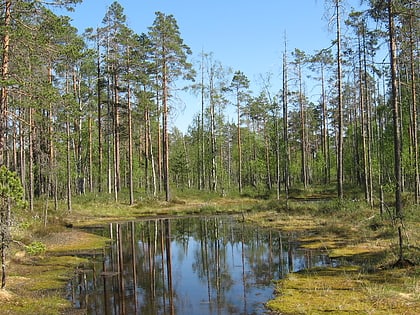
(286, 155)
(4, 76)
(340, 173)
(130, 148)
(165, 135)
(99, 117)
(396, 125)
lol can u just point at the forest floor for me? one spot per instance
(42, 258)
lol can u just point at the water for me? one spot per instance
(199, 265)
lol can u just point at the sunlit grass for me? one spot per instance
(347, 290)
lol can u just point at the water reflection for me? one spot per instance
(208, 265)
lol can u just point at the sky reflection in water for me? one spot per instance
(200, 265)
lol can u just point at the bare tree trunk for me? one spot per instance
(202, 179)
(303, 138)
(4, 76)
(81, 180)
(165, 135)
(22, 152)
(68, 175)
(324, 131)
(31, 162)
(286, 154)
(90, 154)
(213, 177)
(340, 173)
(239, 144)
(363, 123)
(159, 143)
(149, 154)
(368, 124)
(117, 176)
(397, 126)
(130, 148)
(99, 106)
(414, 105)
(267, 155)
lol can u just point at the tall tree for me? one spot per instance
(170, 55)
(240, 85)
(340, 138)
(4, 76)
(286, 151)
(299, 61)
(320, 63)
(396, 122)
(114, 26)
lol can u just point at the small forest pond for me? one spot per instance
(187, 266)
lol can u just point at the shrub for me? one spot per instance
(36, 248)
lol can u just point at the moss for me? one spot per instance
(36, 286)
(46, 305)
(344, 290)
(285, 222)
(74, 241)
(326, 242)
(352, 250)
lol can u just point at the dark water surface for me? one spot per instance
(188, 266)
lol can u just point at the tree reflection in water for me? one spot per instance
(197, 265)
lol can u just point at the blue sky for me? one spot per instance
(246, 35)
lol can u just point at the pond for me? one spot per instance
(196, 265)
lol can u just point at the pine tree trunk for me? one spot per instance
(286, 155)
(4, 77)
(415, 127)
(31, 161)
(397, 126)
(116, 112)
(363, 124)
(239, 144)
(68, 162)
(99, 117)
(165, 135)
(324, 131)
(213, 177)
(303, 140)
(202, 179)
(130, 148)
(340, 173)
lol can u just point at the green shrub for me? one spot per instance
(36, 248)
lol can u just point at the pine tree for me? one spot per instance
(170, 56)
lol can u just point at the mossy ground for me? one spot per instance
(35, 284)
(348, 290)
(365, 249)
(351, 232)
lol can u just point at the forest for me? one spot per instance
(88, 112)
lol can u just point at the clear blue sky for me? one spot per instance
(246, 35)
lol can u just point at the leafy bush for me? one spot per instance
(36, 248)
